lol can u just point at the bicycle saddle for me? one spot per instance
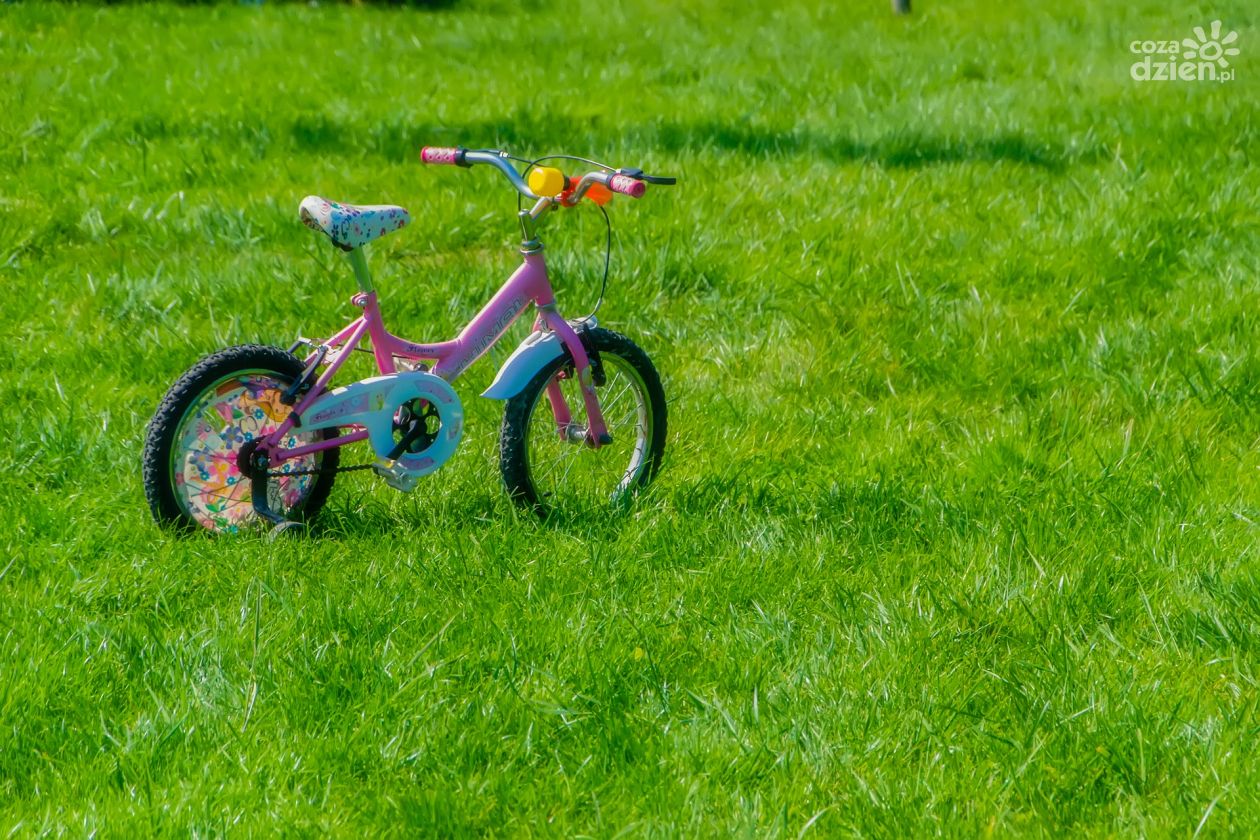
(350, 226)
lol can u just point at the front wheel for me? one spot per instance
(546, 466)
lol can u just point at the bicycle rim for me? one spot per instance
(204, 474)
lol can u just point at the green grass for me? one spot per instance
(957, 531)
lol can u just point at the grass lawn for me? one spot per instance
(958, 527)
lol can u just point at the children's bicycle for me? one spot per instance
(253, 434)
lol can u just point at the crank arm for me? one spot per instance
(416, 431)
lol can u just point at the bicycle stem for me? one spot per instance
(530, 243)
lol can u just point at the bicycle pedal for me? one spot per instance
(395, 475)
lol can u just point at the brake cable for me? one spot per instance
(530, 164)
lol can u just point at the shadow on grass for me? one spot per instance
(400, 139)
(485, 513)
(908, 150)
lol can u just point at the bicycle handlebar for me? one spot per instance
(459, 156)
(630, 182)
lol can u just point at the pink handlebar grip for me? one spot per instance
(626, 185)
(438, 154)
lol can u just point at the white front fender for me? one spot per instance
(537, 351)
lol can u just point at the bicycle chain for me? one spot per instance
(321, 472)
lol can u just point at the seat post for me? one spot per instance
(359, 263)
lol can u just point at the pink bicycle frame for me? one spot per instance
(528, 284)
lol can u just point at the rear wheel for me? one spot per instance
(545, 467)
(224, 403)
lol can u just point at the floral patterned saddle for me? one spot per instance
(350, 226)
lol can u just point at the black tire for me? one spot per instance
(164, 433)
(618, 356)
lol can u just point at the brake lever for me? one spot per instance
(640, 175)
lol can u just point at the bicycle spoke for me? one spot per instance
(230, 498)
(617, 399)
(564, 478)
(604, 472)
(567, 455)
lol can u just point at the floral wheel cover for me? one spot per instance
(208, 483)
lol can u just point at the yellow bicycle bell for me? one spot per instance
(547, 181)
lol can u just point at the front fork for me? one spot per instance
(597, 430)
